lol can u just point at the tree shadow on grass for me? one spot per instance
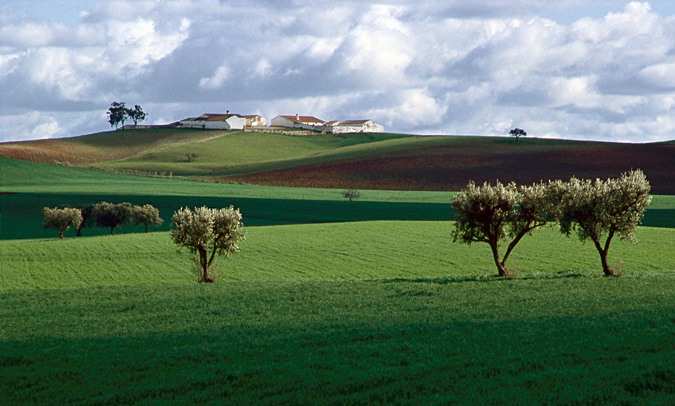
(487, 278)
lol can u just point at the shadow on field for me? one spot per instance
(487, 278)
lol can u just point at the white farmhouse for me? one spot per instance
(298, 121)
(354, 126)
(215, 122)
(254, 120)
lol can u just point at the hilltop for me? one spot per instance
(363, 161)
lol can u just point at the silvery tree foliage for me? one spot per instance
(601, 210)
(60, 219)
(148, 215)
(208, 232)
(494, 214)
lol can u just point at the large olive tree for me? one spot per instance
(601, 210)
(499, 213)
(207, 232)
(61, 219)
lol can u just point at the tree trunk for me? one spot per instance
(603, 259)
(500, 265)
(204, 262)
(112, 230)
(60, 234)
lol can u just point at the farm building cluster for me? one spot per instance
(229, 121)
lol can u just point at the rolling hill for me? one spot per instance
(362, 161)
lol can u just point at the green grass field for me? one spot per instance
(350, 313)
(582, 340)
(358, 250)
(318, 310)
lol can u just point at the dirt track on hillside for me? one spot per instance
(450, 167)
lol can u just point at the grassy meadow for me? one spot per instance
(566, 340)
(328, 302)
(337, 251)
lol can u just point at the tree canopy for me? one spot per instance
(492, 214)
(118, 113)
(112, 215)
(208, 232)
(61, 219)
(517, 132)
(601, 210)
(147, 215)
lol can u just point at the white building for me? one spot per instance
(215, 122)
(298, 121)
(354, 126)
(254, 120)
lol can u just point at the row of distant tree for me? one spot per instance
(104, 214)
(119, 113)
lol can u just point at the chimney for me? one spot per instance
(297, 117)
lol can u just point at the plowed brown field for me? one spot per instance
(451, 166)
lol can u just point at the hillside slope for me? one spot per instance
(362, 161)
(101, 147)
(450, 165)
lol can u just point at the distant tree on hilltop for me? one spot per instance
(136, 114)
(517, 132)
(117, 114)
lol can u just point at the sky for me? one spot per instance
(570, 69)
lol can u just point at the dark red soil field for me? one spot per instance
(451, 166)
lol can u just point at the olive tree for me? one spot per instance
(495, 214)
(112, 215)
(601, 210)
(61, 219)
(351, 194)
(207, 232)
(147, 215)
(88, 220)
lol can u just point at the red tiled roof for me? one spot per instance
(351, 122)
(303, 119)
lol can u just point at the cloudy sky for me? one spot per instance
(576, 69)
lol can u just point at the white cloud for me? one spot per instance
(217, 80)
(417, 66)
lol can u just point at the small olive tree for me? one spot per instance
(351, 194)
(88, 220)
(112, 215)
(494, 214)
(147, 215)
(207, 232)
(601, 210)
(61, 219)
